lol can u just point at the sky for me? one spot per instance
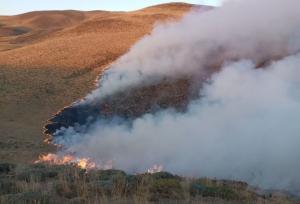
(11, 7)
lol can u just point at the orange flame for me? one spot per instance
(83, 163)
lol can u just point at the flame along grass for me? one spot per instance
(84, 163)
(55, 159)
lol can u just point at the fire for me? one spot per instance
(155, 169)
(86, 164)
(83, 163)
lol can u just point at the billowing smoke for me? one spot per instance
(243, 61)
(256, 30)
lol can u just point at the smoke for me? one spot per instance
(244, 125)
(256, 30)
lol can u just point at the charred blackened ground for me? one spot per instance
(127, 105)
(134, 102)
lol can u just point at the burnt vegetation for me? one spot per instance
(126, 105)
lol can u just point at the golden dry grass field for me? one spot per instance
(49, 59)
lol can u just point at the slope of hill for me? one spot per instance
(48, 59)
(76, 39)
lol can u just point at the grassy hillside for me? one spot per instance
(74, 39)
(48, 59)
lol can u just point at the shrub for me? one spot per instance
(163, 175)
(207, 188)
(166, 188)
(5, 168)
(107, 174)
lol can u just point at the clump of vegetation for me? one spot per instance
(40, 183)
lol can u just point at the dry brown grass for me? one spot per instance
(50, 59)
(74, 39)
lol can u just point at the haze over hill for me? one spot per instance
(49, 59)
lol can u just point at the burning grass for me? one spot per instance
(40, 183)
(54, 159)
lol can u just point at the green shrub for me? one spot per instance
(166, 188)
(213, 190)
(163, 175)
(107, 174)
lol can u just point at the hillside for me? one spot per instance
(48, 59)
(74, 39)
(146, 115)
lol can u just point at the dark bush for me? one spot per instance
(108, 174)
(213, 191)
(166, 188)
(5, 168)
(163, 175)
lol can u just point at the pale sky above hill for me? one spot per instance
(10, 7)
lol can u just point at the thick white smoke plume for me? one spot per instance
(245, 125)
(249, 29)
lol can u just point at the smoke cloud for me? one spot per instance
(247, 29)
(244, 59)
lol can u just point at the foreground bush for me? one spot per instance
(45, 184)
